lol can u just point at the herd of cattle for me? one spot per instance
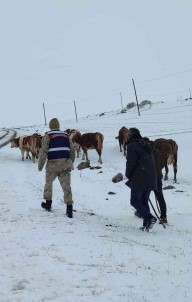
(31, 146)
(167, 147)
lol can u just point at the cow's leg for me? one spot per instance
(124, 148)
(120, 146)
(99, 153)
(22, 155)
(37, 154)
(85, 155)
(175, 172)
(33, 156)
(78, 151)
(166, 172)
(28, 155)
(175, 168)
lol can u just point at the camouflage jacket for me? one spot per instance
(44, 151)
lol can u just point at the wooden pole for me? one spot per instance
(44, 114)
(121, 100)
(75, 112)
(136, 97)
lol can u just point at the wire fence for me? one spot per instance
(115, 99)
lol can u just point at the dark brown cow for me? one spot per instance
(72, 133)
(169, 150)
(90, 141)
(123, 139)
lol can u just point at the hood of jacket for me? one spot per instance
(144, 142)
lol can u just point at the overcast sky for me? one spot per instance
(56, 51)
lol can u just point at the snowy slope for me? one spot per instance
(100, 254)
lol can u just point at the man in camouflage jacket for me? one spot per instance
(58, 153)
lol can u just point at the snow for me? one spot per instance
(100, 254)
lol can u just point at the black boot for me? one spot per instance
(69, 211)
(47, 205)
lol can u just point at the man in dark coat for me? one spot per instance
(141, 174)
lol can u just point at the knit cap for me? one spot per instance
(54, 124)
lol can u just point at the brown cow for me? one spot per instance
(90, 141)
(72, 133)
(38, 139)
(33, 144)
(123, 139)
(169, 150)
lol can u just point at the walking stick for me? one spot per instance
(157, 204)
(157, 214)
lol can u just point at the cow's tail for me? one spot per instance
(175, 148)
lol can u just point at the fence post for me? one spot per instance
(44, 114)
(136, 97)
(75, 112)
(121, 100)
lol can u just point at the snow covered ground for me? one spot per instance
(100, 254)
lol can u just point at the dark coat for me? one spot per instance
(140, 166)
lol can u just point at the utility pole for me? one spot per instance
(121, 100)
(44, 114)
(136, 97)
(190, 93)
(75, 112)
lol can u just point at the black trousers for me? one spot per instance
(162, 204)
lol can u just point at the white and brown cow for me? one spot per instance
(90, 141)
(18, 143)
(72, 133)
(29, 144)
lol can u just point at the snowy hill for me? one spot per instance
(100, 254)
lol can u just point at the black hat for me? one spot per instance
(134, 133)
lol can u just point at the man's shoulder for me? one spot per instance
(133, 143)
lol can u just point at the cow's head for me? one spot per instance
(76, 137)
(14, 142)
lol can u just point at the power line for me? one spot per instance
(53, 104)
(140, 82)
(166, 76)
(116, 90)
(164, 94)
(107, 94)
